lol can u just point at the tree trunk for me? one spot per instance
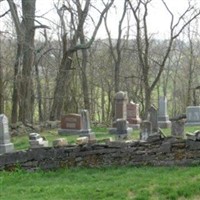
(61, 82)
(147, 102)
(15, 94)
(84, 76)
(39, 94)
(1, 87)
(26, 91)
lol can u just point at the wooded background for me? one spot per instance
(43, 77)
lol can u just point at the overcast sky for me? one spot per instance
(158, 18)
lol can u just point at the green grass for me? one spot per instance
(147, 183)
(21, 142)
(143, 183)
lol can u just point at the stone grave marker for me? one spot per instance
(82, 140)
(37, 141)
(5, 145)
(122, 129)
(145, 130)
(86, 130)
(177, 128)
(60, 142)
(85, 122)
(71, 124)
(153, 118)
(163, 118)
(194, 136)
(133, 115)
(120, 101)
(193, 116)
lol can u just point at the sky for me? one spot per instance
(158, 18)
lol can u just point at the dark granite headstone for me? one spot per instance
(153, 118)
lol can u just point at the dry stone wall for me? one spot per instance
(165, 152)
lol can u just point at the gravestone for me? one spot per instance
(122, 129)
(163, 118)
(86, 130)
(85, 122)
(194, 136)
(5, 145)
(120, 101)
(133, 115)
(37, 141)
(71, 124)
(145, 130)
(177, 128)
(60, 142)
(153, 118)
(193, 116)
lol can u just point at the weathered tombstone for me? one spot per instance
(163, 118)
(193, 116)
(194, 136)
(177, 128)
(86, 130)
(60, 142)
(121, 99)
(71, 124)
(153, 118)
(122, 129)
(82, 140)
(133, 115)
(145, 130)
(85, 122)
(37, 141)
(5, 145)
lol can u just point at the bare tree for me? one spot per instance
(116, 50)
(147, 62)
(23, 92)
(70, 47)
(1, 84)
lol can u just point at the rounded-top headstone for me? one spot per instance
(121, 95)
(4, 130)
(5, 144)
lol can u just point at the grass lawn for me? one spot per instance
(21, 142)
(112, 183)
(147, 183)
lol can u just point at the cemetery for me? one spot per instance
(152, 147)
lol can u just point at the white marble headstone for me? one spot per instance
(5, 144)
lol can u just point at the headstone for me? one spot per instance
(194, 136)
(82, 140)
(145, 130)
(85, 122)
(153, 118)
(5, 145)
(163, 118)
(133, 115)
(86, 130)
(60, 142)
(177, 128)
(37, 141)
(71, 124)
(122, 129)
(193, 116)
(120, 101)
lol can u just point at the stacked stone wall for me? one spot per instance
(165, 152)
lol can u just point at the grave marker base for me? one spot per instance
(6, 148)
